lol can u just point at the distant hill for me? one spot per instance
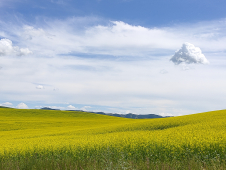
(129, 115)
(5, 107)
(48, 108)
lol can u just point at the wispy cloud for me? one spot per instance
(74, 36)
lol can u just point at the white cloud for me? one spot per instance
(38, 107)
(189, 54)
(24, 51)
(22, 106)
(70, 107)
(39, 87)
(128, 111)
(85, 108)
(6, 104)
(7, 48)
(56, 107)
(30, 32)
(165, 114)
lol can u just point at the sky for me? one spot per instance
(124, 56)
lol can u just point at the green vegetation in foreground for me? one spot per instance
(47, 139)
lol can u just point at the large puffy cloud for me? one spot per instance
(7, 48)
(22, 106)
(189, 54)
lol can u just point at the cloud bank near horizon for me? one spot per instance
(22, 106)
(6, 104)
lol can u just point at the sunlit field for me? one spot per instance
(47, 139)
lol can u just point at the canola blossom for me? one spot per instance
(86, 135)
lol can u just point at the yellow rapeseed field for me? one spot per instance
(202, 135)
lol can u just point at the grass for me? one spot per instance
(53, 139)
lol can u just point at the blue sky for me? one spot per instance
(113, 56)
(148, 13)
